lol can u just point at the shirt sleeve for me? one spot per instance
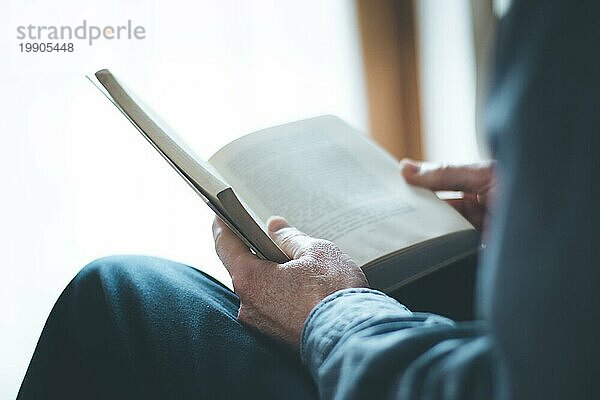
(362, 344)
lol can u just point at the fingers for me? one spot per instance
(469, 208)
(458, 205)
(471, 178)
(289, 239)
(485, 197)
(234, 254)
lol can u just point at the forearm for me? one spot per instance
(360, 343)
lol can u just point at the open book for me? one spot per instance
(326, 179)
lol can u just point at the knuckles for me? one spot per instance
(321, 248)
(323, 259)
(328, 253)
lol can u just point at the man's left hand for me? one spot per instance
(277, 298)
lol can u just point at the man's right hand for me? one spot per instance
(476, 181)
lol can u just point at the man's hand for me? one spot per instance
(277, 298)
(476, 181)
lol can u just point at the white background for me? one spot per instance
(78, 182)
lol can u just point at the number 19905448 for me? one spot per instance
(46, 47)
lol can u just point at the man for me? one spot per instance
(138, 327)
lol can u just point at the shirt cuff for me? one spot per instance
(340, 314)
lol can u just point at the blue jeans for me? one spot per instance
(143, 327)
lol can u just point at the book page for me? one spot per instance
(331, 182)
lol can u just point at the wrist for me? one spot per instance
(337, 314)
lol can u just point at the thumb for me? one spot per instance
(467, 178)
(293, 242)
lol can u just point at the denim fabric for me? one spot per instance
(141, 327)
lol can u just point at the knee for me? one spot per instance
(96, 298)
(133, 278)
(107, 274)
(103, 287)
(114, 274)
(102, 269)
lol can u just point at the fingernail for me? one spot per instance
(276, 223)
(411, 167)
